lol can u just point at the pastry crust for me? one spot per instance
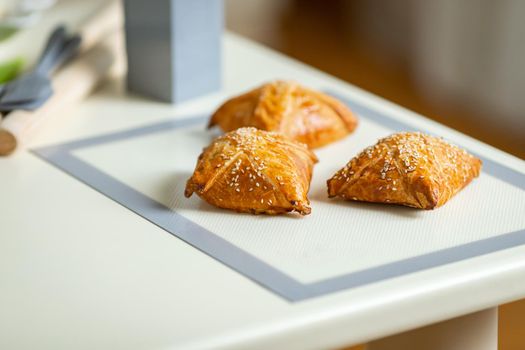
(250, 170)
(301, 114)
(409, 168)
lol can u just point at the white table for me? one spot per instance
(79, 270)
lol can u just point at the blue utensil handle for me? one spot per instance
(51, 51)
(69, 49)
(59, 48)
(32, 89)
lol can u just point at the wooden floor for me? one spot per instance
(312, 31)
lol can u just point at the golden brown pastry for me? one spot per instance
(250, 170)
(408, 168)
(301, 114)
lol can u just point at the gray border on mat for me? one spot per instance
(243, 262)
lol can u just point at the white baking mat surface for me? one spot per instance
(338, 237)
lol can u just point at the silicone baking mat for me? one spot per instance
(340, 245)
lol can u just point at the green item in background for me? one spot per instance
(6, 32)
(10, 69)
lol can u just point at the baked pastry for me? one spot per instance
(250, 170)
(408, 168)
(301, 114)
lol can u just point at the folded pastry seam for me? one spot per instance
(254, 171)
(302, 114)
(406, 168)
